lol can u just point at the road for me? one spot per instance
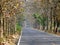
(34, 37)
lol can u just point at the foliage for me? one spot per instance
(8, 11)
(18, 27)
(11, 7)
(1, 39)
(40, 19)
(20, 19)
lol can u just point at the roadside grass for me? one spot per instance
(18, 28)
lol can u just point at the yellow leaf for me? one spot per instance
(17, 5)
(21, 3)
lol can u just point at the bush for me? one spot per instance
(18, 28)
(40, 19)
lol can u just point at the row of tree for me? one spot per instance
(49, 15)
(10, 16)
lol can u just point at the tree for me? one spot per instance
(8, 11)
(40, 19)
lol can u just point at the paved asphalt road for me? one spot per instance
(34, 37)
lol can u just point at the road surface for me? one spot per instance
(34, 37)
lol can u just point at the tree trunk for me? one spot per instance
(1, 22)
(51, 19)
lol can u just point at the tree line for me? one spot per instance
(48, 17)
(10, 17)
